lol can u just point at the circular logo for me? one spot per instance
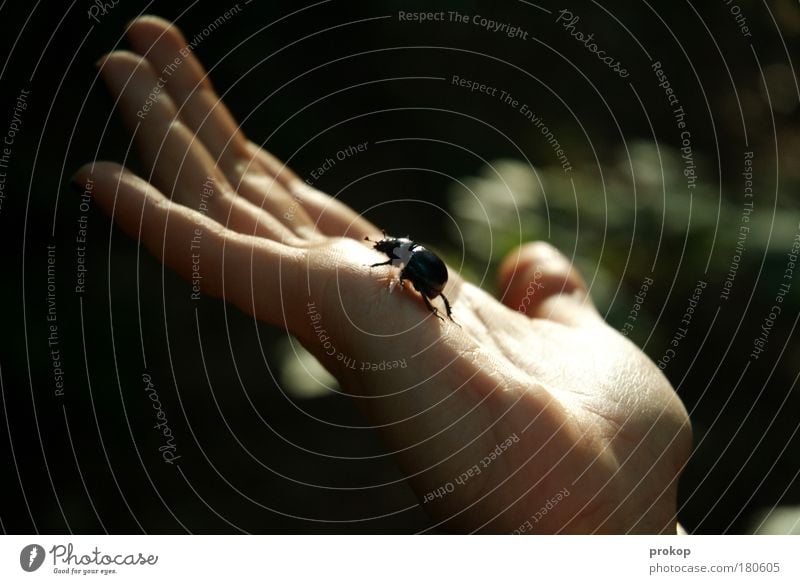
(31, 557)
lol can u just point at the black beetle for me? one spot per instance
(426, 271)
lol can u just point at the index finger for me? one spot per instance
(242, 269)
(187, 82)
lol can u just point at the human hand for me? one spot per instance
(576, 406)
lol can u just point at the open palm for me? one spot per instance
(529, 415)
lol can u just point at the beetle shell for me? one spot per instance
(426, 270)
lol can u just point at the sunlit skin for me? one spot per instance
(591, 412)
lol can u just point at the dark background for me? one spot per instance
(258, 456)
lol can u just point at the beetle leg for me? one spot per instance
(449, 310)
(382, 264)
(432, 308)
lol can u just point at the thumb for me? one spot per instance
(540, 282)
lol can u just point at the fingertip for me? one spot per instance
(102, 60)
(538, 258)
(97, 166)
(93, 179)
(85, 174)
(103, 180)
(539, 281)
(118, 58)
(151, 26)
(167, 49)
(118, 67)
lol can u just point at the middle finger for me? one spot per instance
(177, 162)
